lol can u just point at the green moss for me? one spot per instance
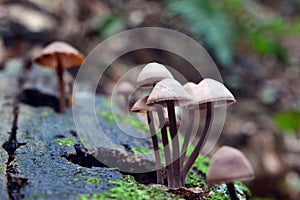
(242, 188)
(138, 151)
(46, 113)
(218, 193)
(36, 196)
(106, 103)
(89, 179)
(109, 117)
(194, 180)
(127, 120)
(65, 142)
(128, 188)
(132, 121)
(201, 164)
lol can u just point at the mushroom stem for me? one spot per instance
(188, 165)
(70, 99)
(61, 86)
(231, 190)
(165, 141)
(187, 136)
(175, 145)
(155, 147)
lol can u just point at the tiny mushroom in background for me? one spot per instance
(125, 89)
(207, 95)
(60, 56)
(149, 76)
(141, 107)
(227, 165)
(169, 93)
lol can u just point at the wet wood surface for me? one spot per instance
(9, 89)
(38, 158)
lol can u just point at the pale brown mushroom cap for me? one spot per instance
(168, 90)
(209, 90)
(229, 164)
(140, 106)
(70, 57)
(125, 88)
(151, 74)
(190, 88)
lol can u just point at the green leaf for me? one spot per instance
(288, 121)
(113, 23)
(208, 21)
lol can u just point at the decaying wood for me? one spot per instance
(9, 88)
(40, 87)
(44, 163)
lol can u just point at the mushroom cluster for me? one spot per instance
(165, 95)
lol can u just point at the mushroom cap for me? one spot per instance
(125, 88)
(209, 90)
(69, 56)
(190, 88)
(229, 164)
(151, 74)
(140, 106)
(168, 90)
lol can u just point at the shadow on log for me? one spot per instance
(40, 88)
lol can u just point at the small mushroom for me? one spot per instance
(125, 89)
(227, 165)
(151, 74)
(207, 95)
(141, 107)
(209, 90)
(169, 93)
(60, 55)
(147, 78)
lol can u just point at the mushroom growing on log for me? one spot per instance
(60, 56)
(148, 78)
(227, 165)
(207, 95)
(141, 107)
(170, 93)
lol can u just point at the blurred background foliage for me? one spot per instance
(224, 23)
(255, 44)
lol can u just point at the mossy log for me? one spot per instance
(41, 161)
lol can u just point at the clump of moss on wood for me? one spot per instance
(89, 179)
(111, 118)
(65, 142)
(128, 188)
